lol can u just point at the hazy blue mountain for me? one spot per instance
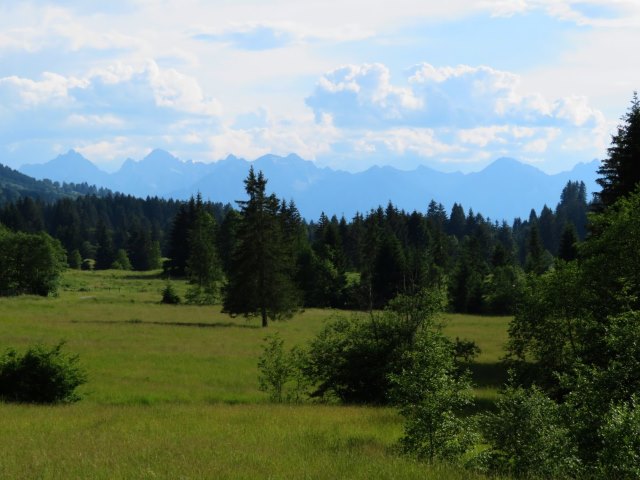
(504, 189)
(157, 174)
(68, 167)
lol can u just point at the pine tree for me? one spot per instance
(620, 172)
(568, 250)
(203, 264)
(261, 278)
(105, 252)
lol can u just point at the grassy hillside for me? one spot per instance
(172, 393)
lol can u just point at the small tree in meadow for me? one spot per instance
(280, 372)
(432, 393)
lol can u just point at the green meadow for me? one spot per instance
(173, 393)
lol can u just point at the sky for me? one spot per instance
(349, 84)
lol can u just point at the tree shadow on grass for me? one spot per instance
(135, 321)
(486, 376)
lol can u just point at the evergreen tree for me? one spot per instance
(105, 252)
(143, 251)
(568, 243)
(179, 239)
(535, 258)
(261, 278)
(203, 264)
(620, 172)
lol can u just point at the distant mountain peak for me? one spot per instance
(159, 155)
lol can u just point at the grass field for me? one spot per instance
(172, 393)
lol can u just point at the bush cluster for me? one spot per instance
(40, 375)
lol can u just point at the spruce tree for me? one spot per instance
(568, 243)
(105, 252)
(260, 281)
(203, 265)
(620, 172)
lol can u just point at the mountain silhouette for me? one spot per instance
(505, 189)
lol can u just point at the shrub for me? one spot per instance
(122, 261)
(620, 453)
(352, 358)
(527, 437)
(465, 350)
(432, 393)
(280, 373)
(30, 263)
(170, 296)
(41, 375)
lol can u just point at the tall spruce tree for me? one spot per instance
(260, 281)
(620, 172)
(203, 264)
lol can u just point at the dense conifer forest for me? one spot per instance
(358, 263)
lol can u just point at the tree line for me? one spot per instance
(331, 262)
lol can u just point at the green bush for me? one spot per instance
(41, 375)
(528, 437)
(619, 434)
(280, 372)
(432, 393)
(170, 296)
(352, 358)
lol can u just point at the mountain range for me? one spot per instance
(503, 190)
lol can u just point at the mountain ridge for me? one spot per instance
(505, 189)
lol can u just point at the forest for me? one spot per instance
(568, 278)
(361, 263)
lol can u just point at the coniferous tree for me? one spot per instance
(260, 281)
(620, 172)
(105, 251)
(568, 249)
(203, 264)
(179, 239)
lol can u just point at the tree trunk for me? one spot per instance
(263, 311)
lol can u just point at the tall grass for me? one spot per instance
(173, 393)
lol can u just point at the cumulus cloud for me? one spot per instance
(362, 95)
(462, 97)
(108, 111)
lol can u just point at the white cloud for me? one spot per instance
(362, 94)
(25, 93)
(458, 97)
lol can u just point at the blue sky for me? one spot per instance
(349, 84)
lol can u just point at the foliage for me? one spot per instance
(203, 265)
(527, 437)
(30, 263)
(352, 358)
(502, 290)
(432, 393)
(551, 327)
(121, 261)
(261, 280)
(40, 375)
(74, 259)
(619, 456)
(620, 171)
(169, 295)
(280, 372)
(465, 350)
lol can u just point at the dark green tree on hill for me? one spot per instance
(620, 172)
(260, 281)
